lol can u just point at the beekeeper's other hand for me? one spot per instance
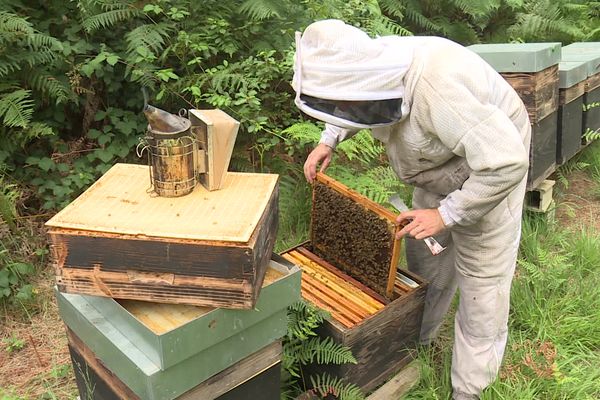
(421, 223)
(320, 155)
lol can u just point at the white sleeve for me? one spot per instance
(334, 135)
(486, 137)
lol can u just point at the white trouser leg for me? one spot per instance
(486, 255)
(480, 260)
(438, 270)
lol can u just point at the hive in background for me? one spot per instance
(532, 70)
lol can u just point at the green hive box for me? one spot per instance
(591, 56)
(519, 57)
(576, 45)
(571, 73)
(190, 353)
(570, 116)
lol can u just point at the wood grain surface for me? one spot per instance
(119, 202)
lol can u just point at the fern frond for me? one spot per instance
(325, 351)
(383, 25)
(47, 84)
(303, 133)
(35, 58)
(38, 129)
(462, 33)
(226, 80)
(326, 384)
(8, 203)
(150, 36)
(263, 9)
(12, 23)
(414, 14)
(476, 8)
(362, 147)
(108, 19)
(303, 319)
(39, 40)
(393, 7)
(16, 108)
(591, 135)
(8, 66)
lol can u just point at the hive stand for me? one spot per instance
(540, 199)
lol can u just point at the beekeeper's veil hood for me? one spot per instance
(345, 78)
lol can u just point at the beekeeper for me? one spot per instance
(454, 129)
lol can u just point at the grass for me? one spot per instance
(553, 350)
(554, 339)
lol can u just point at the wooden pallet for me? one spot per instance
(209, 248)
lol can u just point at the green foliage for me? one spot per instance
(302, 347)
(25, 53)
(569, 168)
(13, 343)
(98, 14)
(15, 271)
(325, 385)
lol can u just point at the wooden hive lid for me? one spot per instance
(519, 57)
(120, 203)
(372, 229)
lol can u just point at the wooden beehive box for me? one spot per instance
(162, 354)
(380, 330)
(209, 248)
(572, 76)
(257, 376)
(590, 54)
(542, 155)
(531, 69)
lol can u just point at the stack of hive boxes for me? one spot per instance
(588, 53)
(532, 70)
(162, 297)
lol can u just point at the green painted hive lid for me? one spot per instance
(571, 73)
(592, 60)
(519, 57)
(583, 45)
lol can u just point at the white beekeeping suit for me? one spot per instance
(460, 134)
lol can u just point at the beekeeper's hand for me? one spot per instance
(320, 155)
(421, 223)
